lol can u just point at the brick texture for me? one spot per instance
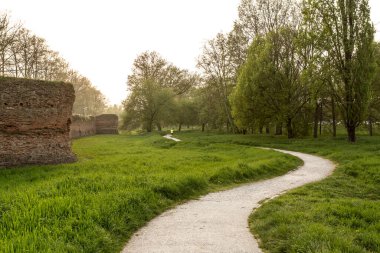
(35, 118)
(82, 126)
(107, 124)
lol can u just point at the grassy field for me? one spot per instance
(118, 184)
(339, 214)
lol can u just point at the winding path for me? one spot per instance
(218, 222)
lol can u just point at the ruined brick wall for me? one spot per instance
(82, 126)
(35, 122)
(107, 124)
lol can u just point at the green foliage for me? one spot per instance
(270, 87)
(218, 64)
(185, 111)
(153, 84)
(346, 39)
(210, 111)
(374, 103)
(118, 184)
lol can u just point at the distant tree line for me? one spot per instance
(25, 55)
(298, 66)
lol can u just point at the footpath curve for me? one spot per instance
(218, 222)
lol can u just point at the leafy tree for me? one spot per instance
(147, 103)
(248, 107)
(374, 103)
(216, 62)
(153, 85)
(186, 112)
(209, 109)
(347, 39)
(270, 87)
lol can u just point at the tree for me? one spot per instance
(270, 87)
(347, 34)
(248, 107)
(374, 102)
(259, 17)
(88, 100)
(114, 109)
(210, 113)
(153, 85)
(218, 69)
(7, 38)
(185, 112)
(148, 102)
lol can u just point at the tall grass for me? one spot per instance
(118, 184)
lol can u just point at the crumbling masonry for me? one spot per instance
(107, 124)
(88, 126)
(35, 122)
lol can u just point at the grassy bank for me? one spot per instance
(118, 184)
(339, 214)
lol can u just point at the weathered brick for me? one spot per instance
(107, 124)
(35, 118)
(82, 126)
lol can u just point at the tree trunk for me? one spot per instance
(333, 116)
(316, 117)
(3, 63)
(290, 128)
(203, 127)
(370, 127)
(320, 118)
(180, 127)
(351, 131)
(279, 129)
(261, 129)
(149, 127)
(267, 129)
(159, 128)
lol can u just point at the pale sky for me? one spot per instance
(101, 38)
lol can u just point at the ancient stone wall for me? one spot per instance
(107, 124)
(35, 118)
(82, 127)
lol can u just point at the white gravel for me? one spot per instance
(218, 222)
(170, 137)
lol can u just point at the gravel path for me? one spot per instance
(218, 222)
(170, 137)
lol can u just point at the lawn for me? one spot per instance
(338, 214)
(118, 184)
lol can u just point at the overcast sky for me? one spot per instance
(101, 38)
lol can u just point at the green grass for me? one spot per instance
(118, 184)
(338, 214)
